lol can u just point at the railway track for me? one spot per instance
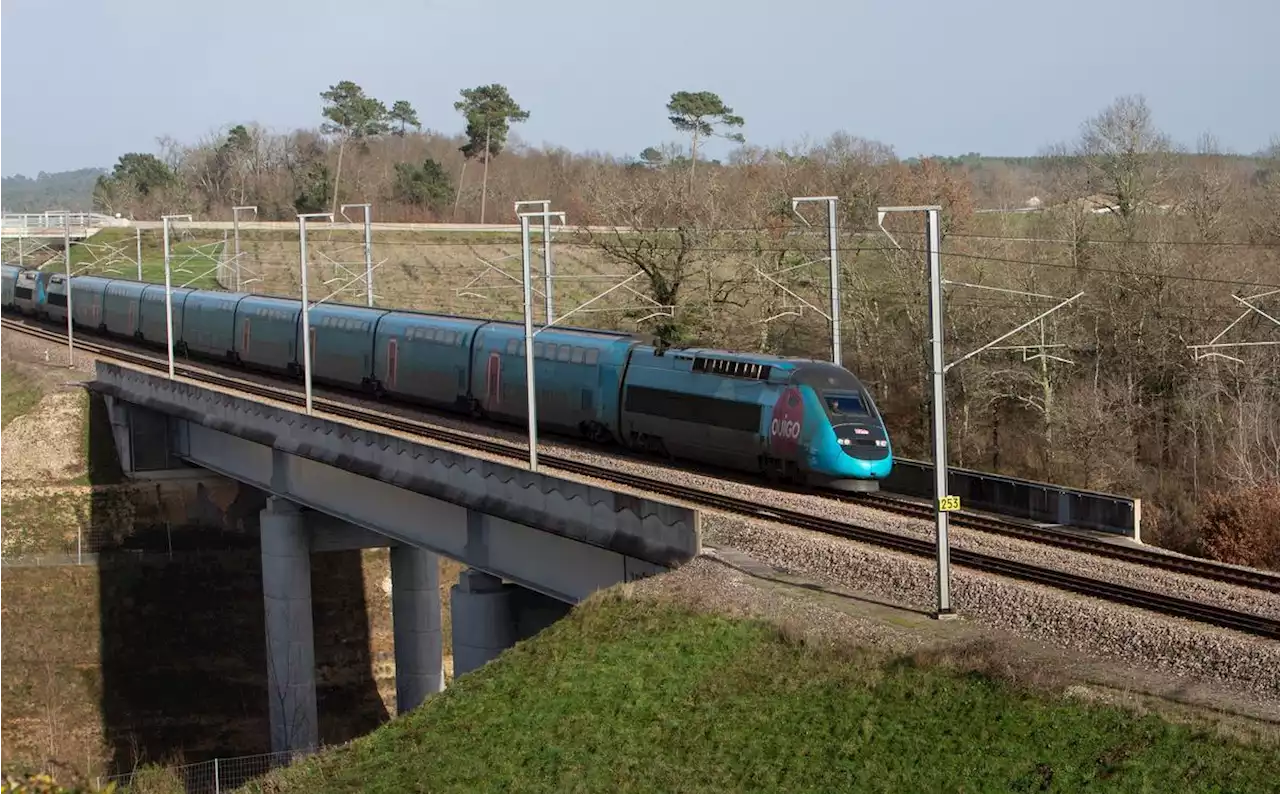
(1021, 530)
(1115, 593)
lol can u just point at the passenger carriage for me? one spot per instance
(209, 323)
(152, 317)
(577, 376)
(342, 339)
(86, 301)
(425, 358)
(122, 307)
(266, 333)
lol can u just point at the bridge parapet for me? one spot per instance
(56, 223)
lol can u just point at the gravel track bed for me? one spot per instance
(1116, 571)
(1246, 664)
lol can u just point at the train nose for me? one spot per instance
(861, 441)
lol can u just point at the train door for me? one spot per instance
(493, 380)
(392, 354)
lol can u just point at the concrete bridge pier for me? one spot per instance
(416, 621)
(291, 659)
(490, 616)
(289, 536)
(483, 625)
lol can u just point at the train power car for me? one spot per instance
(9, 284)
(54, 303)
(756, 413)
(795, 420)
(29, 291)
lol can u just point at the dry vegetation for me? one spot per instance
(1162, 240)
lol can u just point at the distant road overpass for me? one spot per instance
(54, 224)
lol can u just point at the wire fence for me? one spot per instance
(205, 777)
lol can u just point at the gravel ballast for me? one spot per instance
(1248, 664)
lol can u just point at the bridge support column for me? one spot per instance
(416, 619)
(291, 663)
(483, 627)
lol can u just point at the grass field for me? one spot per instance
(20, 394)
(632, 696)
(456, 273)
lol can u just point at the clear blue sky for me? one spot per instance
(925, 77)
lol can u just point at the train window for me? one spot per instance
(452, 338)
(537, 349)
(565, 352)
(551, 351)
(850, 405)
(578, 353)
(511, 346)
(593, 355)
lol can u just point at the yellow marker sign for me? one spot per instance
(949, 503)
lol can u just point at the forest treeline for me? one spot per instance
(1169, 245)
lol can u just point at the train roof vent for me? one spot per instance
(731, 367)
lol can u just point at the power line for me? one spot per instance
(1210, 243)
(1112, 271)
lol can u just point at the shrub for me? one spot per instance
(1242, 526)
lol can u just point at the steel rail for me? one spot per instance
(1021, 530)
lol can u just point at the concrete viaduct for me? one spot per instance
(534, 544)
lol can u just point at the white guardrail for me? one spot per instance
(52, 223)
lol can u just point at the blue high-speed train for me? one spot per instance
(794, 420)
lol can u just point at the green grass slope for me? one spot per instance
(631, 695)
(21, 394)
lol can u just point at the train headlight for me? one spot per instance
(882, 442)
(844, 442)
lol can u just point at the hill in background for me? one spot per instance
(69, 190)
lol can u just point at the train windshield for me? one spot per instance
(846, 405)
